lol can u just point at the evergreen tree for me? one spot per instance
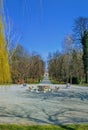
(85, 53)
(81, 33)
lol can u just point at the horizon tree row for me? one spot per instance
(66, 67)
(72, 65)
(17, 65)
(26, 67)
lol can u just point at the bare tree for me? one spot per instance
(80, 25)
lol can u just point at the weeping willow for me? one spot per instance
(5, 75)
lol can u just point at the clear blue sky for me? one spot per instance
(43, 24)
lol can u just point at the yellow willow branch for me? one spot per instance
(5, 75)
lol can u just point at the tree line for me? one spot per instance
(26, 67)
(71, 65)
(16, 64)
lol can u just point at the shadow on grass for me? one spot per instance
(67, 127)
(44, 127)
(38, 127)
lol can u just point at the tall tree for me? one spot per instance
(5, 75)
(68, 50)
(81, 32)
(85, 54)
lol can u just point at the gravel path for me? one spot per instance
(20, 106)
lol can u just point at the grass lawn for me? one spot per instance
(47, 127)
(83, 85)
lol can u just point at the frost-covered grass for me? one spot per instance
(20, 106)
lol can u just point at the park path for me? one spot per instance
(45, 80)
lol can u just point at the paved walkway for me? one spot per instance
(45, 80)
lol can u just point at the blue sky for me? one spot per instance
(43, 24)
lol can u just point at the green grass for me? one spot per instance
(81, 85)
(54, 81)
(57, 82)
(47, 127)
